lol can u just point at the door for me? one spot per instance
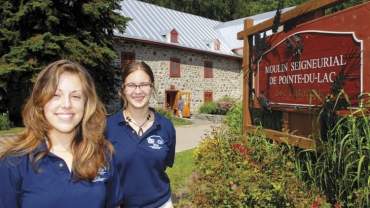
(171, 101)
(186, 96)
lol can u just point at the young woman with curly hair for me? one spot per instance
(62, 158)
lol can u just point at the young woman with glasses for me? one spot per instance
(144, 142)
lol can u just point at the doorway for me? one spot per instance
(172, 97)
(171, 101)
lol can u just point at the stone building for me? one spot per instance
(193, 57)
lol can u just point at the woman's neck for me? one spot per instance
(60, 141)
(138, 115)
(61, 146)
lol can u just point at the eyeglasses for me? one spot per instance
(143, 86)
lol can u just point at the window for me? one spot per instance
(174, 67)
(208, 96)
(126, 59)
(216, 45)
(208, 69)
(174, 36)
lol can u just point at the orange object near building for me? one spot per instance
(186, 96)
(172, 97)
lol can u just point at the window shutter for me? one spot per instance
(208, 96)
(216, 44)
(126, 59)
(208, 69)
(174, 36)
(175, 67)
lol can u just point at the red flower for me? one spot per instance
(240, 148)
(337, 205)
(316, 203)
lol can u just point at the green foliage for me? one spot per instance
(209, 108)
(220, 107)
(165, 113)
(34, 33)
(346, 4)
(179, 176)
(270, 119)
(182, 169)
(11, 131)
(175, 120)
(234, 9)
(232, 172)
(223, 10)
(5, 123)
(234, 118)
(224, 105)
(180, 121)
(340, 167)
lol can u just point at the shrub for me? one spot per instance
(165, 113)
(209, 108)
(5, 123)
(232, 172)
(175, 120)
(234, 118)
(224, 105)
(220, 107)
(340, 167)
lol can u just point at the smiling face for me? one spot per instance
(65, 110)
(137, 89)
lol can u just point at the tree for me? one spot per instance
(34, 33)
(222, 10)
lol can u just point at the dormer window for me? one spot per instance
(213, 44)
(174, 36)
(216, 45)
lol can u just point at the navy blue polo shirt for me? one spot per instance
(50, 184)
(142, 160)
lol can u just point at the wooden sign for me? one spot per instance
(299, 66)
(303, 68)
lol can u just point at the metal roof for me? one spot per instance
(152, 23)
(229, 30)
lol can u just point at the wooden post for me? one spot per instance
(247, 121)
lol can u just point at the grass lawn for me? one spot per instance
(11, 131)
(182, 169)
(180, 121)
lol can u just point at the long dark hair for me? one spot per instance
(132, 68)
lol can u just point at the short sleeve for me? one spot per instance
(172, 146)
(114, 190)
(10, 184)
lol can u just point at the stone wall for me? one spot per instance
(226, 81)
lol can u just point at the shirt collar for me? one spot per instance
(42, 147)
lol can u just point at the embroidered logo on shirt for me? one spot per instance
(102, 175)
(155, 141)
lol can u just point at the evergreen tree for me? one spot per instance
(34, 33)
(222, 10)
(226, 10)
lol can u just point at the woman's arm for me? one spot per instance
(10, 184)
(114, 190)
(172, 145)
